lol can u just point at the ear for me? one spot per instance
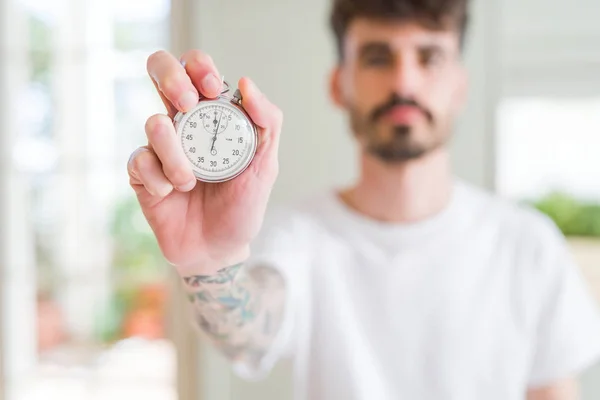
(335, 87)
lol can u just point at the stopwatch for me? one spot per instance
(218, 137)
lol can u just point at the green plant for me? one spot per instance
(136, 261)
(135, 252)
(573, 217)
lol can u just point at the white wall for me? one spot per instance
(474, 146)
(286, 47)
(550, 47)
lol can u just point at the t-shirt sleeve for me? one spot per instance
(568, 331)
(280, 245)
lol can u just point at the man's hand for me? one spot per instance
(566, 389)
(201, 227)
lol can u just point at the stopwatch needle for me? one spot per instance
(218, 123)
(212, 148)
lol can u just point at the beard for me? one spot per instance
(396, 143)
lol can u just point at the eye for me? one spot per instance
(376, 54)
(378, 60)
(431, 57)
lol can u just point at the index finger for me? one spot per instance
(173, 84)
(203, 72)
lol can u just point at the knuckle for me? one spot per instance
(170, 84)
(178, 175)
(141, 162)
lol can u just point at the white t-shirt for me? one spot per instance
(481, 301)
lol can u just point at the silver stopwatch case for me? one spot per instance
(218, 137)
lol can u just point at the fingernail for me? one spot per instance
(188, 186)
(164, 189)
(188, 100)
(211, 83)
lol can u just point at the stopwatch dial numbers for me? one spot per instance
(218, 149)
(215, 121)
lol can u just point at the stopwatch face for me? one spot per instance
(218, 139)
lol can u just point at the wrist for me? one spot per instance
(211, 264)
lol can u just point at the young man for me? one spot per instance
(408, 285)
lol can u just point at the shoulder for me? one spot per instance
(515, 224)
(507, 213)
(287, 236)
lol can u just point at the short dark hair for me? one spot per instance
(434, 14)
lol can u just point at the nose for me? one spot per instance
(407, 76)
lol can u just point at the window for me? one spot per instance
(85, 289)
(549, 144)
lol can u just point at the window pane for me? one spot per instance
(88, 296)
(547, 144)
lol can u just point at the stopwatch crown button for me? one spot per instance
(237, 96)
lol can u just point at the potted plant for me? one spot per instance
(579, 221)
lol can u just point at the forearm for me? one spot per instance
(240, 310)
(565, 389)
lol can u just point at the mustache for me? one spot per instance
(397, 100)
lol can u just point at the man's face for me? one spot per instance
(403, 86)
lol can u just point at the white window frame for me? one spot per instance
(189, 376)
(11, 238)
(179, 326)
(3, 154)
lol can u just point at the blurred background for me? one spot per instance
(88, 307)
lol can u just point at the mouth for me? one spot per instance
(403, 115)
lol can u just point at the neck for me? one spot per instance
(407, 192)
